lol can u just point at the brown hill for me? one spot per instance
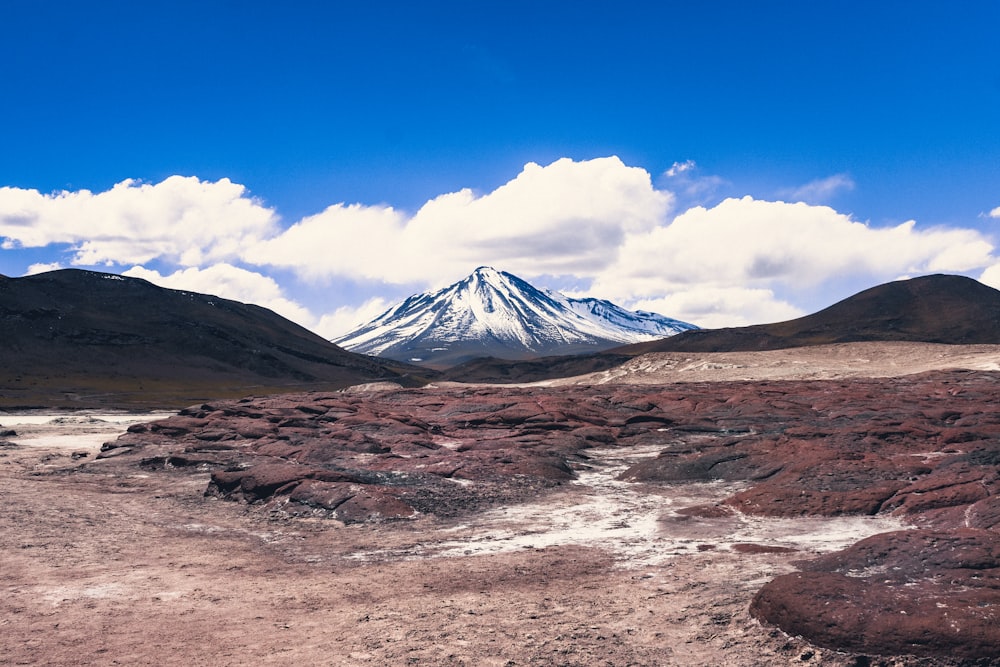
(931, 309)
(73, 338)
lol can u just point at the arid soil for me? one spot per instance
(113, 561)
(820, 362)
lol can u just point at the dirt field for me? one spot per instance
(105, 568)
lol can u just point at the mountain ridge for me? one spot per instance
(495, 313)
(938, 308)
(81, 338)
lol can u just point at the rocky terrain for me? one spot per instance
(920, 449)
(819, 517)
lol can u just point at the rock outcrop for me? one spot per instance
(913, 592)
(924, 448)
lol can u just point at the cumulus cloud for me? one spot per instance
(43, 267)
(564, 218)
(821, 190)
(346, 318)
(357, 241)
(183, 220)
(713, 307)
(991, 276)
(598, 224)
(752, 245)
(691, 187)
(230, 282)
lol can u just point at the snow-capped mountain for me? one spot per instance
(494, 313)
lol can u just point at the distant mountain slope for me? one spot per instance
(930, 309)
(495, 314)
(489, 370)
(81, 338)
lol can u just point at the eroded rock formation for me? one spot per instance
(919, 592)
(926, 448)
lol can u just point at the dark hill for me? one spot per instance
(932, 309)
(505, 371)
(74, 338)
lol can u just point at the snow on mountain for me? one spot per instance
(494, 313)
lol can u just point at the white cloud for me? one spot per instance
(35, 269)
(186, 221)
(991, 276)
(821, 190)
(230, 282)
(564, 218)
(713, 307)
(361, 242)
(679, 168)
(347, 318)
(748, 244)
(692, 188)
(596, 223)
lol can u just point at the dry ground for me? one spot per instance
(822, 362)
(101, 567)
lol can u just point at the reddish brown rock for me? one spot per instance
(372, 504)
(984, 514)
(322, 495)
(752, 548)
(917, 592)
(706, 511)
(259, 482)
(265, 480)
(351, 503)
(798, 499)
(948, 488)
(921, 446)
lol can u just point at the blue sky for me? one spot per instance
(721, 162)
